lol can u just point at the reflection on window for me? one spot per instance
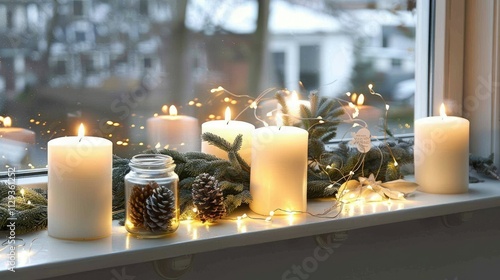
(309, 66)
(113, 64)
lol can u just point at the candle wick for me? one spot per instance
(279, 128)
(80, 140)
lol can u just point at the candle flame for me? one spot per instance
(294, 97)
(361, 100)
(7, 122)
(354, 96)
(279, 120)
(442, 110)
(164, 109)
(81, 131)
(227, 115)
(172, 110)
(158, 145)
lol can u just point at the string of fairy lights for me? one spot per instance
(353, 119)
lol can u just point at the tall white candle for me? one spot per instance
(279, 169)
(442, 154)
(229, 129)
(175, 132)
(79, 187)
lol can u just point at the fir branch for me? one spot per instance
(238, 141)
(287, 119)
(306, 115)
(232, 202)
(4, 215)
(176, 156)
(325, 108)
(484, 165)
(29, 194)
(199, 155)
(315, 149)
(231, 187)
(28, 220)
(244, 165)
(316, 189)
(217, 141)
(313, 101)
(234, 161)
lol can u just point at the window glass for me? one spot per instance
(112, 65)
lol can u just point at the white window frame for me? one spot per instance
(466, 68)
(463, 58)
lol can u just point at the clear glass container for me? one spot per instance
(151, 193)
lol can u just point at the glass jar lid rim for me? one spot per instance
(152, 159)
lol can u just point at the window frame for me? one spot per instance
(465, 64)
(444, 53)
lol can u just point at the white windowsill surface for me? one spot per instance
(51, 257)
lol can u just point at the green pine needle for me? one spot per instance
(217, 141)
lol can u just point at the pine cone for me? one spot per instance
(137, 202)
(208, 198)
(160, 209)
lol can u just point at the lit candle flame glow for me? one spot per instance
(354, 96)
(279, 120)
(7, 122)
(361, 100)
(227, 115)
(81, 132)
(164, 109)
(294, 97)
(172, 110)
(442, 111)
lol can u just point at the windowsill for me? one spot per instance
(53, 257)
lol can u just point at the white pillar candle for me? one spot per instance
(229, 129)
(279, 169)
(79, 187)
(17, 134)
(442, 154)
(175, 132)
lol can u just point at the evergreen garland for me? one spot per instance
(328, 169)
(29, 213)
(483, 166)
(233, 174)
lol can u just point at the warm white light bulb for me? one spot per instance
(172, 110)
(361, 100)
(164, 109)
(7, 122)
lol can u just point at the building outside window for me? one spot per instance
(83, 62)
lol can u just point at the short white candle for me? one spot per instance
(17, 134)
(175, 132)
(279, 169)
(229, 129)
(79, 187)
(442, 154)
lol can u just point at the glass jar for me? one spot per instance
(151, 196)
